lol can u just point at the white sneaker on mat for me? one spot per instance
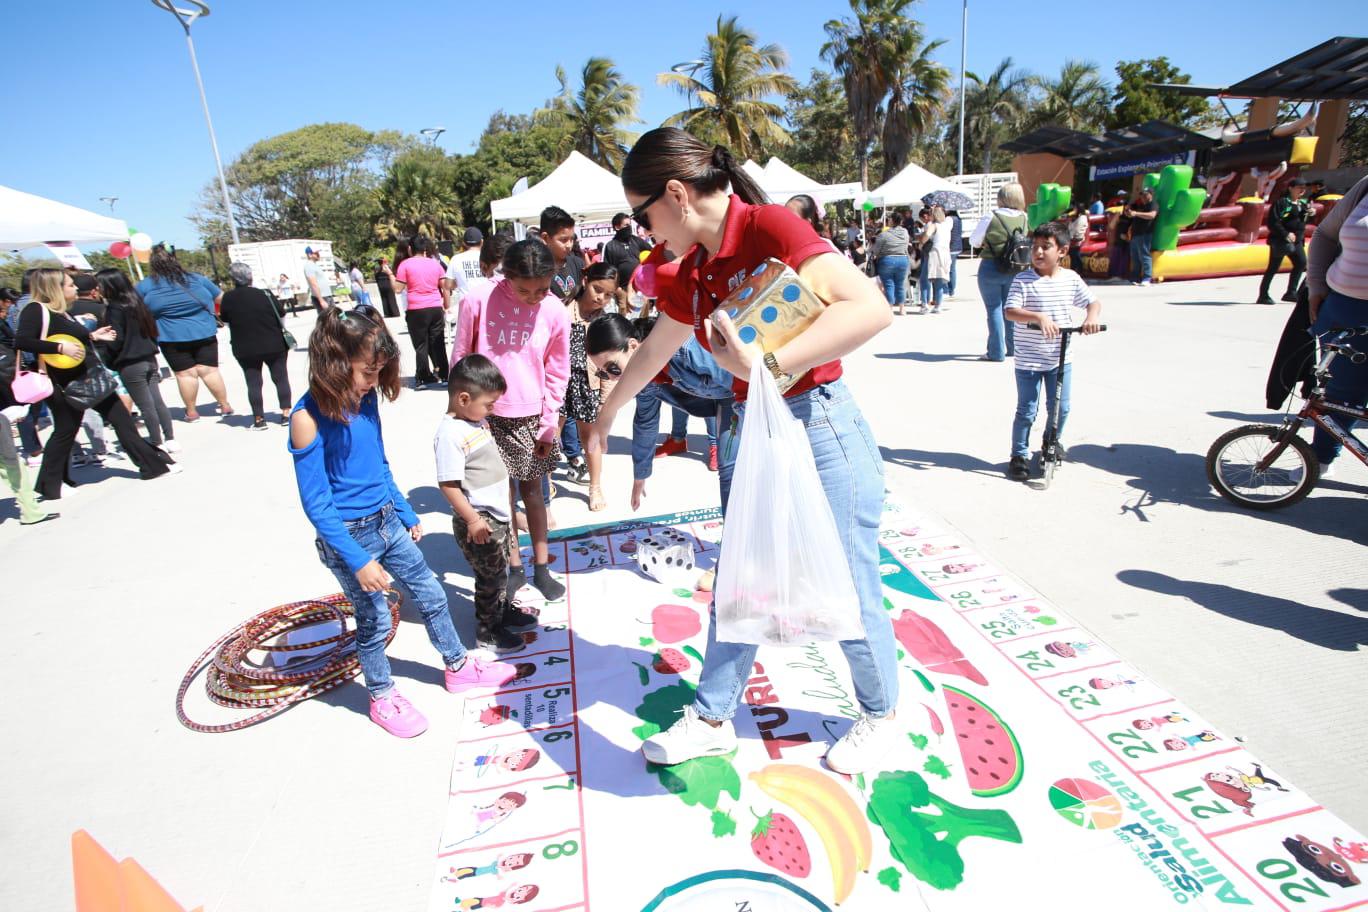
(863, 747)
(688, 738)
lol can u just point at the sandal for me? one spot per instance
(597, 501)
(191, 416)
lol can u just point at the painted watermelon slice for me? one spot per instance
(992, 757)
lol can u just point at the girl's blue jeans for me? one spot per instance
(384, 537)
(851, 470)
(993, 285)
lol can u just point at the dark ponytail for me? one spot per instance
(612, 332)
(668, 153)
(528, 259)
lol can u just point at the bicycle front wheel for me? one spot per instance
(1232, 468)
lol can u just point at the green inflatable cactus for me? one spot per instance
(1051, 201)
(1178, 204)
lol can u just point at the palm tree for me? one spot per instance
(918, 91)
(860, 49)
(728, 104)
(417, 196)
(995, 106)
(1078, 99)
(592, 117)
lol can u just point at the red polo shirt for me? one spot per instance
(750, 235)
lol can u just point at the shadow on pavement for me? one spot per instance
(1250, 417)
(1163, 475)
(925, 459)
(1354, 598)
(1319, 626)
(925, 357)
(1206, 303)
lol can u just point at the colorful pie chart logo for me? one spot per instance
(1084, 803)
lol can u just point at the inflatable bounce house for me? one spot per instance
(1215, 225)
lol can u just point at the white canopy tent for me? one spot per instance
(585, 190)
(32, 221)
(781, 181)
(908, 186)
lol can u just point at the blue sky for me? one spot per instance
(119, 72)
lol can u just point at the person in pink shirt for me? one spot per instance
(421, 275)
(525, 330)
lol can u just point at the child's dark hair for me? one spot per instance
(116, 289)
(492, 250)
(1057, 230)
(612, 332)
(476, 375)
(598, 272)
(808, 210)
(528, 259)
(339, 338)
(554, 218)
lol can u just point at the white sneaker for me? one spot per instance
(1327, 469)
(864, 745)
(1145, 283)
(170, 446)
(688, 738)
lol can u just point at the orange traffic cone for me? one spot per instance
(96, 874)
(142, 893)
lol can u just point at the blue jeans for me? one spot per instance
(923, 284)
(679, 426)
(384, 537)
(954, 272)
(993, 285)
(361, 297)
(892, 271)
(851, 469)
(1028, 402)
(937, 291)
(716, 412)
(1141, 261)
(1348, 383)
(569, 440)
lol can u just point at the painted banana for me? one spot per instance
(821, 801)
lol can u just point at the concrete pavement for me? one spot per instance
(1259, 621)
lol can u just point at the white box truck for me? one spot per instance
(269, 260)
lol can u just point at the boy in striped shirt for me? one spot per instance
(1049, 296)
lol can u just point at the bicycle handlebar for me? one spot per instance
(1349, 331)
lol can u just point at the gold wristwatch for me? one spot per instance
(773, 365)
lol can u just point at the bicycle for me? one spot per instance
(1265, 466)
(1051, 453)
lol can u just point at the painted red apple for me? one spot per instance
(674, 623)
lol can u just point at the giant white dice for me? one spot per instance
(667, 556)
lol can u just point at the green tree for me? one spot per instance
(593, 117)
(1134, 102)
(860, 48)
(1354, 151)
(995, 108)
(918, 89)
(823, 145)
(511, 147)
(1078, 98)
(418, 196)
(287, 185)
(729, 104)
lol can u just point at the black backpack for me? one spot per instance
(1015, 254)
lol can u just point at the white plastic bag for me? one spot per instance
(783, 578)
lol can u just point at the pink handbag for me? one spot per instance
(32, 386)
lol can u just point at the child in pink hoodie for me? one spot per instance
(525, 330)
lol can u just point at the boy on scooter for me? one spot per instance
(1049, 295)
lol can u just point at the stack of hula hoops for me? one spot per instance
(249, 666)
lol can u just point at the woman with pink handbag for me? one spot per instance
(87, 384)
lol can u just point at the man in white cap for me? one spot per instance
(315, 280)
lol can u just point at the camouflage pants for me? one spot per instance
(489, 563)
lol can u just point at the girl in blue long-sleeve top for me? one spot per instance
(367, 532)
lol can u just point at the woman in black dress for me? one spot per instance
(133, 353)
(54, 291)
(384, 281)
(257, 338)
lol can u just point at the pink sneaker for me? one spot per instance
(397, 716)
(476, 674)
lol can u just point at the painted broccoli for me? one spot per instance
(926, 842)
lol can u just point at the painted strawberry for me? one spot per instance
(529, 637)
(777, 842)
(493, 715)
(670, 662)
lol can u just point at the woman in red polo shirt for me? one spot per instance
(679, 188)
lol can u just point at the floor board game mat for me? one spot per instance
(1037, 769)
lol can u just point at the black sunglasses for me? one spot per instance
(639, 213)
(611, 370)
